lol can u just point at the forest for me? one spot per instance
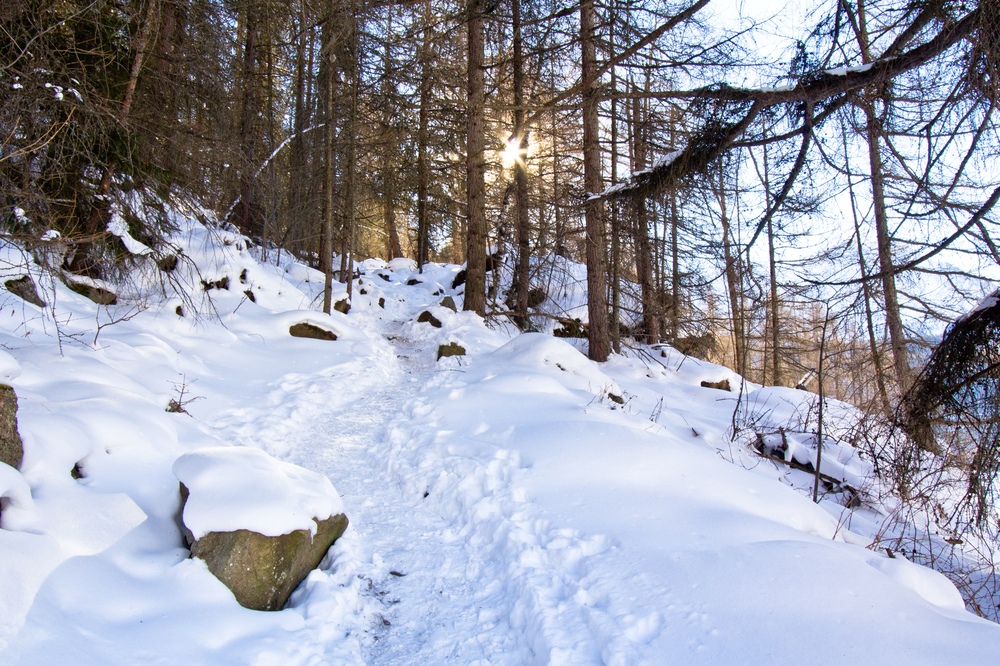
(803, 194)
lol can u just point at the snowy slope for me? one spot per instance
(517, 505)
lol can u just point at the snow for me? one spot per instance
(9, 367)
(516, 505)
(242, 488)
(989, 301)
(660, 163)
(118, 227)
(844, 71)
(57, 91)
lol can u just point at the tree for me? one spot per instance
(475, 283)
(597, 299)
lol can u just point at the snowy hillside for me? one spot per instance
(514, 505)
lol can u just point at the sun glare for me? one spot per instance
(511, 153)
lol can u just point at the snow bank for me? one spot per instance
(14, 495)
(9, 367)
(234, 488)
(536, 350)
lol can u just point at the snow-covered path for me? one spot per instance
(433, 597)
(431, 613)
(428, 580)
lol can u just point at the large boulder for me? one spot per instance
(259, 524)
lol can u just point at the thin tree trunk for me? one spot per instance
(732, 281)
(819, 425)
(329, 139)
(297, 153)
(350, 166)
(393, 248)
(643, 248)
(557, 218)
(773, 271)
(616, 333)
(876, 355)
(893, 320)
(522, 274)
(675, 272)
(873, 129)
(597, 298)
(675, 269)
(423, 169)
(246, 208)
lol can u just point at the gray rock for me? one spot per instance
(24, 287)
(305, 330)
(168, 263)
(450, 349)
(262, 571)
(721, 385)
(426, 317)
(449, 302)
(96, 294)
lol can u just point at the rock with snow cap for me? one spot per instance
(259, 524)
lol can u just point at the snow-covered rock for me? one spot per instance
(259, 524)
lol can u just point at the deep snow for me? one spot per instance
(517, 505)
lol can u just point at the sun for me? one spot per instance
(511, 153)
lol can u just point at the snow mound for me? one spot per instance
(534, 350)
(930, 585)
(14, 492)
(233, 488)
(402, 264)
(9, 367)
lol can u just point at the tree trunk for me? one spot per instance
(873, 130)
(246, 209)
(350, 166)
(597, 298)
(893, 320)
(522, 274)
(876, 356)
(393, 248)
(329, 139)
(423, 169)
(733, 282)
(615, 273)
(475, 283)
(297, 151)
(675, 271)
(773, 271)
(640, 230)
